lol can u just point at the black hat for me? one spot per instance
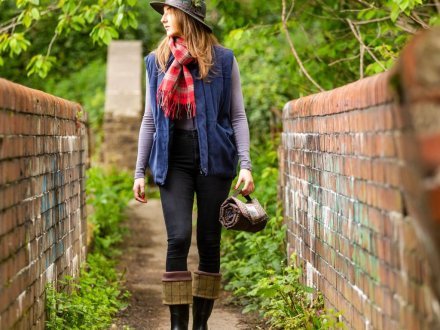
(194, 8)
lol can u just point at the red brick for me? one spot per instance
(12, 241)
(385, 146)
(434, 202)
(389, 199)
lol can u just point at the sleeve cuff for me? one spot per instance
(246, 167)
(139, 176)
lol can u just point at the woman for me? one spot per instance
(193, 133)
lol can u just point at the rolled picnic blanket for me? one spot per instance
(237, 215)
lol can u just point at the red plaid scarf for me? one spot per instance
(176, 91)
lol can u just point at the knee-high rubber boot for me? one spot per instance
(206, 288)
(179, 317)
(202, 309)
(177, 293)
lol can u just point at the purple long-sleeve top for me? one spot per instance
(238, 121)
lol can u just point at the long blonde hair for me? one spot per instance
(198, 39)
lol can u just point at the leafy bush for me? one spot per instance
(108, 193)
(95, 297)
(288, 304)
(337, 42)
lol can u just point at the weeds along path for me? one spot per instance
(143, 261)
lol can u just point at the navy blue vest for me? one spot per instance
(218, 152)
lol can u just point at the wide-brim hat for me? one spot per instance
(194, 8)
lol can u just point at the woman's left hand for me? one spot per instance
(245, 176)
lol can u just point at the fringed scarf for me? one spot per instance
(176, 92)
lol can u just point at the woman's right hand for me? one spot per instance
(139, 190)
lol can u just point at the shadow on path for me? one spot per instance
(143, 261)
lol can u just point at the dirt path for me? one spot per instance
(144, 262)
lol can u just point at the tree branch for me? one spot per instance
(290, 10)
(404, 24)
(358, 37)
(437, 5)
(361, 61)
(13, 22)
(375, 20)
(292, 48)
(369, 5)
(49, 49)
(343, 60)
(11, 26)
(418, 20)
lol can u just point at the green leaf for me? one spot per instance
(3, 46)
(118, 19)
(308, 289)
(27, 20)
(370, 14)
(40, 65)
(35, 14)
(69, 7)
(435, 20)
(101, 32)
(395, 12)
(21, 3)
(16, 43)
(132, 20)
(89, 15)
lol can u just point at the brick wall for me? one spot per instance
(43, 154)
(360, 178)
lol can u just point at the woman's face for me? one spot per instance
(169, 22)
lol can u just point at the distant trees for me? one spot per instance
(285, 48)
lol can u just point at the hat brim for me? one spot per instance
(158, 6)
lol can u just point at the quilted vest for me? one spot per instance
(218, 152)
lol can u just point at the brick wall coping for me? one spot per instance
(19, 98)
(371, 90)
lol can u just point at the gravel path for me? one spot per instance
(143, 260)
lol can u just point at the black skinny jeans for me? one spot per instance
(177, 195)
